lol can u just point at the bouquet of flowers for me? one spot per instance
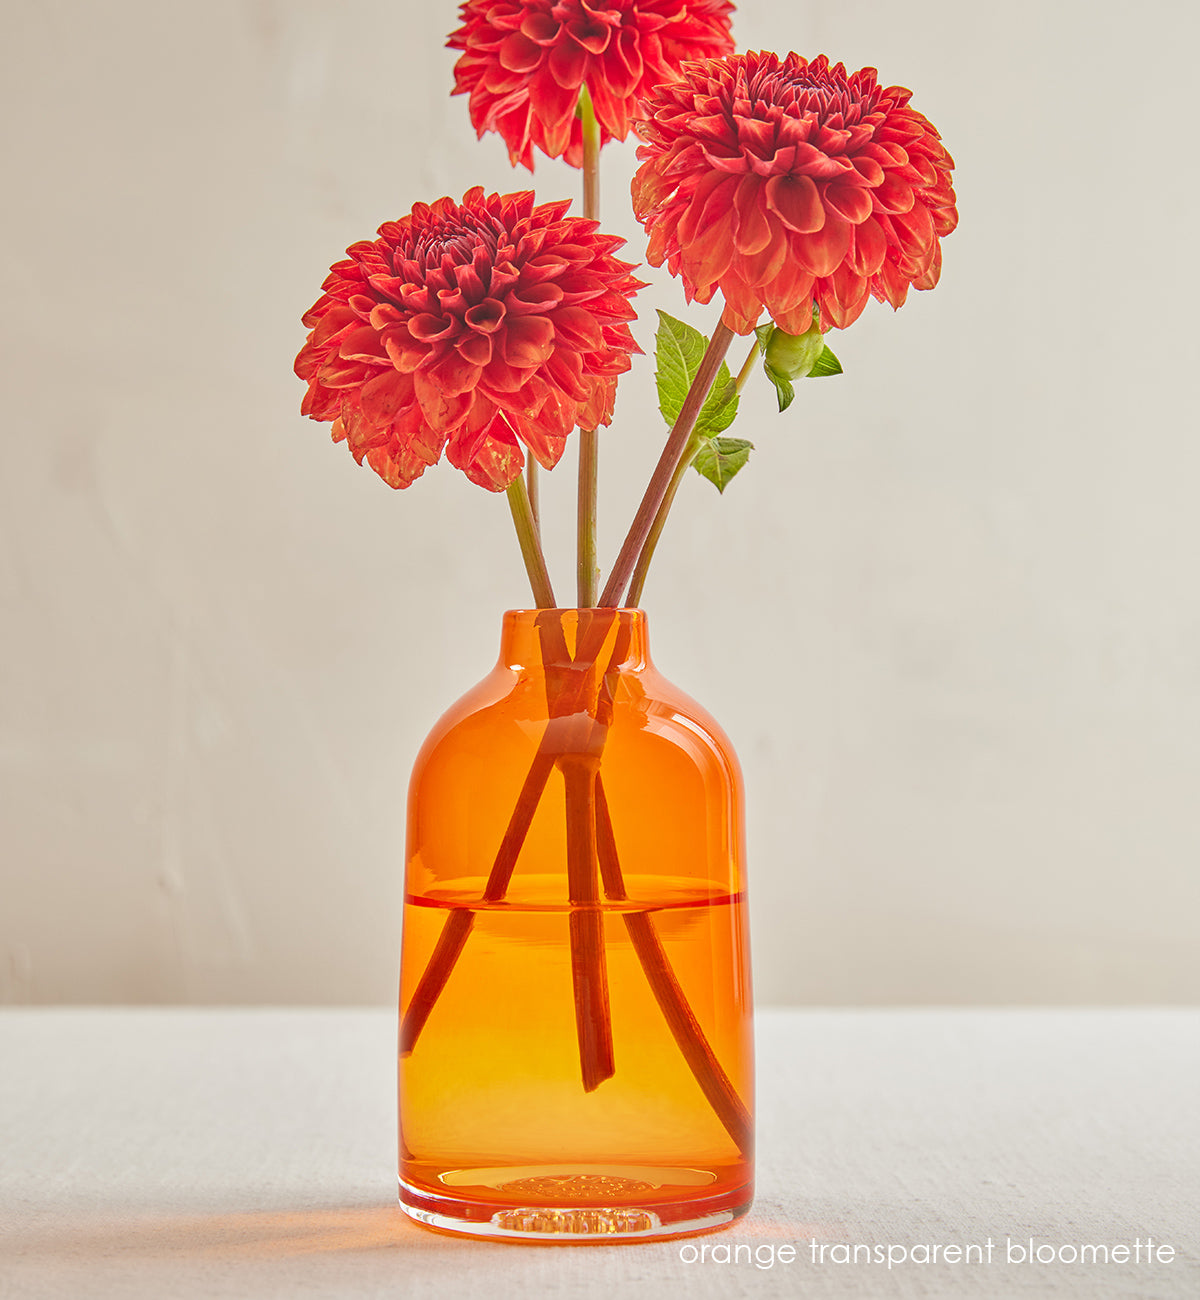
(493, 329)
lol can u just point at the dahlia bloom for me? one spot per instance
(472, 328)
(525, 61)
(786, 183)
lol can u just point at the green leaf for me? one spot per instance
(720, 406)
(827, 364)
(679, 349)
(763, 334)
(783, 387)
(719, 459)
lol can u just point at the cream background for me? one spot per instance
(949, 614)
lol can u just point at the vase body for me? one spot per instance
(576, 1038)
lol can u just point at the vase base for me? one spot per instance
(637, 1209)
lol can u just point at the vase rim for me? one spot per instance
(528, 612)
(523, 640)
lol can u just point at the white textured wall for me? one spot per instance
(949, 614)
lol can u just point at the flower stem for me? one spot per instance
(531, 486)
(589, 966)
(660, 519)
(531, 547)
(587, 571)
(747, 366)
(591, 156)
(689, 454)
(668, 464)
(668, 992)
(460, 923)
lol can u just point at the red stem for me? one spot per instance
(668, 992)
(660, 480)
(589, 969)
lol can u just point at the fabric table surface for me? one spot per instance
(180, 1153)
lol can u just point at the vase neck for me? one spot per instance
(534, 639)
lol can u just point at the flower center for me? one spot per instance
(822, 92)
(458, 239)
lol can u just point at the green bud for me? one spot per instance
(792, 356)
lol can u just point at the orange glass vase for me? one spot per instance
(576, 1041)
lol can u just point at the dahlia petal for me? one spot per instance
(612, 109)
(796, 202)
(442, 409)
(893, 195)
(578, 329)
(321, 403)
(501, 377)
(944, 220)
(398, 471)
(623, 68)
(713, 188)
(383, 396)
(707, 258)
(565, 371)
(734, 161)
(752, 230)
(870, 246)
(791, 286)
(547, 267)
(486, 317)
(528, 341)
(539, 28)
(335, 320)
(361, 344)
(475, 348)
(931, 276)
(843, 296)
(849, 202)
(822, 250)
(868, 169)
(404, 352)
(344, 374)
(798, 318)
(518, 53)
(567, 64)
(452, 373)
(741, 323)
(428, 328)
(742, 299)
(890, 284)
(555, 104)
(591, 35)
(917, 226)
(532, 298)
(815, 162)
(491, 459)
(752, 133)
(549, 449)
(384, 314)
(598, 409)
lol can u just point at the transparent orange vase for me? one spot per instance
(576, 1057)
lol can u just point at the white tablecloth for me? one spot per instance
(247, 1153)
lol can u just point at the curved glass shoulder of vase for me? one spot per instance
(576, 1058)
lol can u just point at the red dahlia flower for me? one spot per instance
(525, 61)
(473, 328)
(786, 183)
